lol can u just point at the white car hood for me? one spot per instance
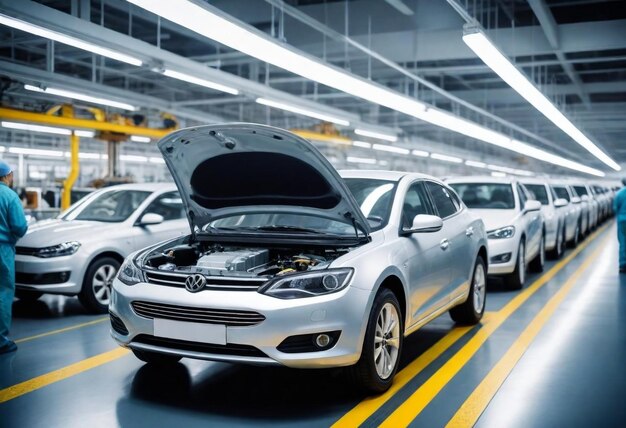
(495, 218)
(234, 169)
(52, 232)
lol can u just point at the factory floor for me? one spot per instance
(551, 355)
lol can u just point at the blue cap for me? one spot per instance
(5, 169)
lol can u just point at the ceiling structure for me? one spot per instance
(574, 51)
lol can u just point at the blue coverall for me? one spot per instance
(12, 227)
(619, 206)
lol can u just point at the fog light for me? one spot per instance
(322, 340)
(500, 258)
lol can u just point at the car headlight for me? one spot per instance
(129, 273)
(64, 249)
(308, 284)
(502, 233)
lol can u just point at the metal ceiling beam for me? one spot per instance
(551, 31)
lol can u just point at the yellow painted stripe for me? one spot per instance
(477, 402)
(60, 374)
(62, 330)
(414, 405)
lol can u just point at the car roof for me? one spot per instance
(481, 179)
(149, 187)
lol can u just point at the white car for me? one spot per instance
(79, 252)
(289, 263)
(513, 221)
(584, 193)
(585, 208)
(554, 211)
(573, 213)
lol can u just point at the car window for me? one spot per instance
(169, 205)
(442, 199)
(522, 196)
(111, 206)
(580, 190)
(561, 192)
(539, 192)
(415, 203)
(485, 195)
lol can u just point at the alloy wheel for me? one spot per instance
(386, 340)
(521, 263)
(479, 288)
(101, 283)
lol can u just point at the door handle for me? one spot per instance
(469, 231)
(444, 244)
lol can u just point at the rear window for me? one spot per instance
(580, 190)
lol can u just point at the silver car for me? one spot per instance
(79, 252)
(289, 263)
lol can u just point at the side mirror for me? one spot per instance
(424, 223)
(584, 198)
(532, 205)
(575, 200)
(150, 218)
(561, 202)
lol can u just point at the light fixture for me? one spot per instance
(140, 139)
(353, 159)
(85, 155)
(35, 152)
(500, 64)
(378, 135)
(498, 174)
(156, 160)
(508, 170)
(198, 81)
(81, 97)
(68, 40)
(362, 144)
(446, 158)
(209, 22)
(84, 134)
(35, 128)
(391, 149)
(475, 164)
(420, 153)
(133, 158)
(2, 149)
(304, 112)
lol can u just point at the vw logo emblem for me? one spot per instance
(195, 283)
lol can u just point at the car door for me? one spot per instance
(458, 257)
(169, 205)
(425, 266)
(532, 222)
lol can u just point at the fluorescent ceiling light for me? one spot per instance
(498, 174)
(133, 158)
(475, 164)
(81, 97)
(140, 139)
(500, 64)
(353, 159)
(156, 160)
(84, 134)
(209, 22)
(68, 40)
(383, 162)
(83, 155)
(35, 152)
(446, 158)
(372, 134)
(201, 82)
(362, 144)
(304, 112)
(2, 149)
(420, 153)
(391, 149)
(36, 128)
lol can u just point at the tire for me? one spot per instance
(536, 265)
(515, 280)
(559, 247)
(471, 311)
(156, 357)
(28, 295)
(576, 239)
(97, 283)
(367, 373)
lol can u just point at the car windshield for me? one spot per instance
(580, 190)
(112, 206)
(375, 198)
(561, 193)
(486, 195)
(540, 192)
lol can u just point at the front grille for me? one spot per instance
(192, 314)
(171, 279)
(118, 325)
(42, 278)
(26, 251)
(184, 345)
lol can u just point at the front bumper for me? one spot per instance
(498, 247)
(345, 311)
(42, 274)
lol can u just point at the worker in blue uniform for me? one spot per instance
(619, 207)
(12, 227)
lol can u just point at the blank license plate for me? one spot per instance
(194, 332)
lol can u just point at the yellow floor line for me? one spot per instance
(62, 330)
(414, 405)
(477, 402)
(60, 374)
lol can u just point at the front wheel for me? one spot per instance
(540, 259)
(156, 357)
(471, 311)
(516, 279)
(559, 246)
(382, 345)
(96, 291)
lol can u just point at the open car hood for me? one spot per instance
(239, 168)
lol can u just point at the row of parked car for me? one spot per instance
(263, 253)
